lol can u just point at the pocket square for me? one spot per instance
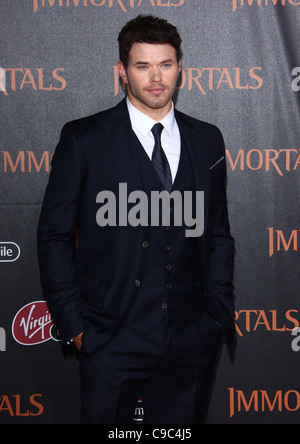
(217, 164)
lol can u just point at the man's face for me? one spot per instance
(151, 77)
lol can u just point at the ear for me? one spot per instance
(179, 67)
(122, 72)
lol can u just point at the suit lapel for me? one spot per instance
(198, 158)
(119, 136)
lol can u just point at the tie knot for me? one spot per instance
(157, 130)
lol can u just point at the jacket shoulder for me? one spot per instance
(199, 125)
(208, 134)
(86, 125)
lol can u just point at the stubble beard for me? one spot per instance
(154, 103)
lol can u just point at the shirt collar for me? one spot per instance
(144, 124)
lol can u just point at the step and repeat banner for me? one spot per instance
(241, 72)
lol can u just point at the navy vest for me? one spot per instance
(172, 277)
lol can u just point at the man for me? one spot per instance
(146, 305)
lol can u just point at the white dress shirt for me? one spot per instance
(170, 138)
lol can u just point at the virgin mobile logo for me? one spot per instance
(9, 252)
(33, 324)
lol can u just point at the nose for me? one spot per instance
(156, 75)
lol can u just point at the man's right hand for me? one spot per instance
(78, 341)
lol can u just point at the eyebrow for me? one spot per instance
(160, 63)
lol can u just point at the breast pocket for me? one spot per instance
(218, 165)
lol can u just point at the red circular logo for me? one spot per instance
(33, 324)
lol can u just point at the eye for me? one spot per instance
(142, 67)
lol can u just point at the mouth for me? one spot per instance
(156, 91)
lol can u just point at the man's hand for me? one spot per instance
(78, 341)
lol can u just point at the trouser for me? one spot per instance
(171, 371)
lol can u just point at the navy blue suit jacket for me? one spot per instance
(100, 271)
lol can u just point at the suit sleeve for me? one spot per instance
(222, 248)
(57, 237)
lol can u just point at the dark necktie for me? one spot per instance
(159, 159)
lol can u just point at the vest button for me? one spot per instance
(137, 283)
(164, 306)
(169, 267)
(145, 244)
(169, 286)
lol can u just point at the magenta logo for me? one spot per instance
(33, 324)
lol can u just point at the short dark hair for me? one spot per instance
(148, 29)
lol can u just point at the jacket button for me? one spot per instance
(145, 244)
(137, 283)
(164, 306)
